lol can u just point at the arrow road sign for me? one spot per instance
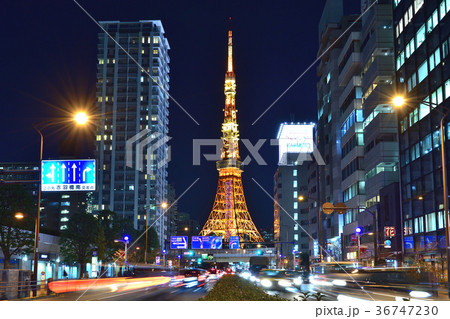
(68, 175)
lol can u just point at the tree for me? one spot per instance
(138, 255)
(16, 236)
(80, 239)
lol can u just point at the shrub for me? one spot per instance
(235, 288)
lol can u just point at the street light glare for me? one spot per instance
(81, 118)
(164, 205)
(301, 198)
(19, 215)
(398, 101)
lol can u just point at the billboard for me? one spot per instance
(295, 138)
(68, 175)
(234, 242)
(206, 242)
(178, 242)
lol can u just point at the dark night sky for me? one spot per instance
(48, 68)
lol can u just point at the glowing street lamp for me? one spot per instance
(19, 215)
(164, 205)
(398, 101)
(81, 118)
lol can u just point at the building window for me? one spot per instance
(294, 172)
(295, 184)
(296, 216)
(423, 71)
(295, 194)
(430, 222)
(418, 225)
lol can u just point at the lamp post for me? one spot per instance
(399, 101)
(81, 119)
(358, 231)
(302, 198)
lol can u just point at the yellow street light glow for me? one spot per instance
(186, 229)
(19, 215)
(81, 118)
(398, 101)
(164, 205)
(301, 198)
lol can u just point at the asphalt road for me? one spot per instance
(333, 293)
(160, 293)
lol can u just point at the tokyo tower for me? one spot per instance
(229, 215)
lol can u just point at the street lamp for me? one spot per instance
(358, 231)
(399, 101)
(302, 198)
(19, 215)
(80, 119)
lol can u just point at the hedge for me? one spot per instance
(235, 288)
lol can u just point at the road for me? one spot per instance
(127, 292)
(333, 293)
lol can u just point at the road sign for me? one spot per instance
(340, 208)
(389, 231)
(70, 175)
(178, 242)
(158, 260)
(328, 208)
(387, 243)
(353, 237)
(206, 242)
(234, 242)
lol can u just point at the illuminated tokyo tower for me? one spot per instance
(229, 215)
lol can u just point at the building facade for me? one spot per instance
(356, 133)
(421, 36)
(132, 96)
(291, 224)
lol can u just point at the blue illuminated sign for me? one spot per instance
(206, 242)
(70, 175)
(178, 242)
(234, 242)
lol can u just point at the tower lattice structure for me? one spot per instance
(229, 215)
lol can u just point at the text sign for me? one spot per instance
(387, 243)
(206, 242)
(178, 242)
(70, 175)
(234, 242)
(389, 231)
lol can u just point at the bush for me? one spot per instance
(235, 288)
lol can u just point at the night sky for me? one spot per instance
(48, 69)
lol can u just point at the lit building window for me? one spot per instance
(295, 194)
(295, 183)
(294, 172)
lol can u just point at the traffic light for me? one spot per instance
(199, 260)
(259, 252)
(164, 251)
(358, 230)
(126, 238)
(191, 253)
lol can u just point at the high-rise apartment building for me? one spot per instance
(132, 93)
(422, 30)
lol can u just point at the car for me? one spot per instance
(193, 276)
(275, 279)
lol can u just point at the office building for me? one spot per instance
(291, 225)
(132, 96)
(421, 36)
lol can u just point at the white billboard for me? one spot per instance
(295, 138)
